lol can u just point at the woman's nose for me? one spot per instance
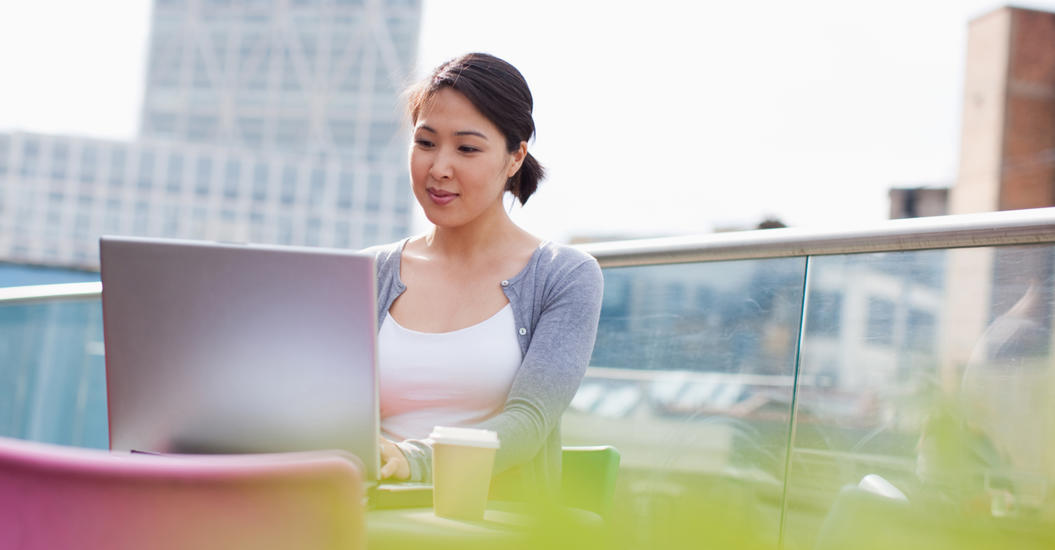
(441, 168)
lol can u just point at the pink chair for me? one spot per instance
(59, 497)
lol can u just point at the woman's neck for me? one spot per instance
(482, 238)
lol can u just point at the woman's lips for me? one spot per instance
(441, 197)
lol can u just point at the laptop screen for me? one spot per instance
(223, 348)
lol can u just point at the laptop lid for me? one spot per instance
(225, 348)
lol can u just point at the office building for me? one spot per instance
(264, 121)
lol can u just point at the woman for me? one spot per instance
(481, 323)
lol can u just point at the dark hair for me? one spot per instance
(500, 93)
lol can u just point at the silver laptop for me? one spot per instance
(223, 348)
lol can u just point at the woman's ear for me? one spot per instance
(518, 159)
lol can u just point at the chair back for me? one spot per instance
(588, 477)
(60, 497)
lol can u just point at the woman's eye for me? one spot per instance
(423, 142)
(468, 149)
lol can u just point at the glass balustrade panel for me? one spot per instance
(926, 402)
(691, 380)
(52, 373)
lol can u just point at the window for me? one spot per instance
(285, 230)
(824, 313)
(318, 187)
(257, 75)
(383, 80)
(112, 221)
(290, 80)
(89, 163)
(344, 191)
(201, 73)
(141, 218)
(117, 168)
(309, 45)
(83, 223)
(381, 134)
(174, 174)
(146, 171)
(30, 158)
(289, 185)
(54, 217)
(370, 234)
(231, 177)
(163, 124)
(60, 159)
(252, 130)
(921, 332)
(203, 177)
(343, 133)
(311, 238)
(401, 198)
(291, 133)
(5, 145)
(201, 127)
(198, 216)
(260, 182)
(342, 234)
(373, 193)
(164, 73)
(880, 327)
(259, 229)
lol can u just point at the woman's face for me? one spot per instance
(458, 162)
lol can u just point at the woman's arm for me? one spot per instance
(553, 366)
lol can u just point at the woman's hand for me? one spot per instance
(393, 463)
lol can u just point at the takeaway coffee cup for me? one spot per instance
(462, 460)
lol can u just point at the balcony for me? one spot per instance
(783, 388)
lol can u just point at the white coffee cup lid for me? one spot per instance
(471, 437)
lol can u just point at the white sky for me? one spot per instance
(654, 117)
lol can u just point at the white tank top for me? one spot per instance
(453, 378)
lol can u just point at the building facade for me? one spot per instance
(265, 121)
(1007, 162)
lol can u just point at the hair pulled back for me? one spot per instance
(500, 93)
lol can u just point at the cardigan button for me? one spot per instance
(523, 331)
(505, 283)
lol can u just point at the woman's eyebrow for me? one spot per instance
(470, 133)
(430, 129)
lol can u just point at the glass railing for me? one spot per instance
(52, 371)
(875, 388)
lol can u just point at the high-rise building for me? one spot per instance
(271, 121)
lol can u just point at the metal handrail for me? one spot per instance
(49, 293)
(1013, 227)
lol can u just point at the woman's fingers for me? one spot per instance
(393, 463)
(388, 469)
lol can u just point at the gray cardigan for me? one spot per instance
(556, 301)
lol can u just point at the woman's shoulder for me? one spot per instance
(386, 255)
(564, 256)
(568, 263)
